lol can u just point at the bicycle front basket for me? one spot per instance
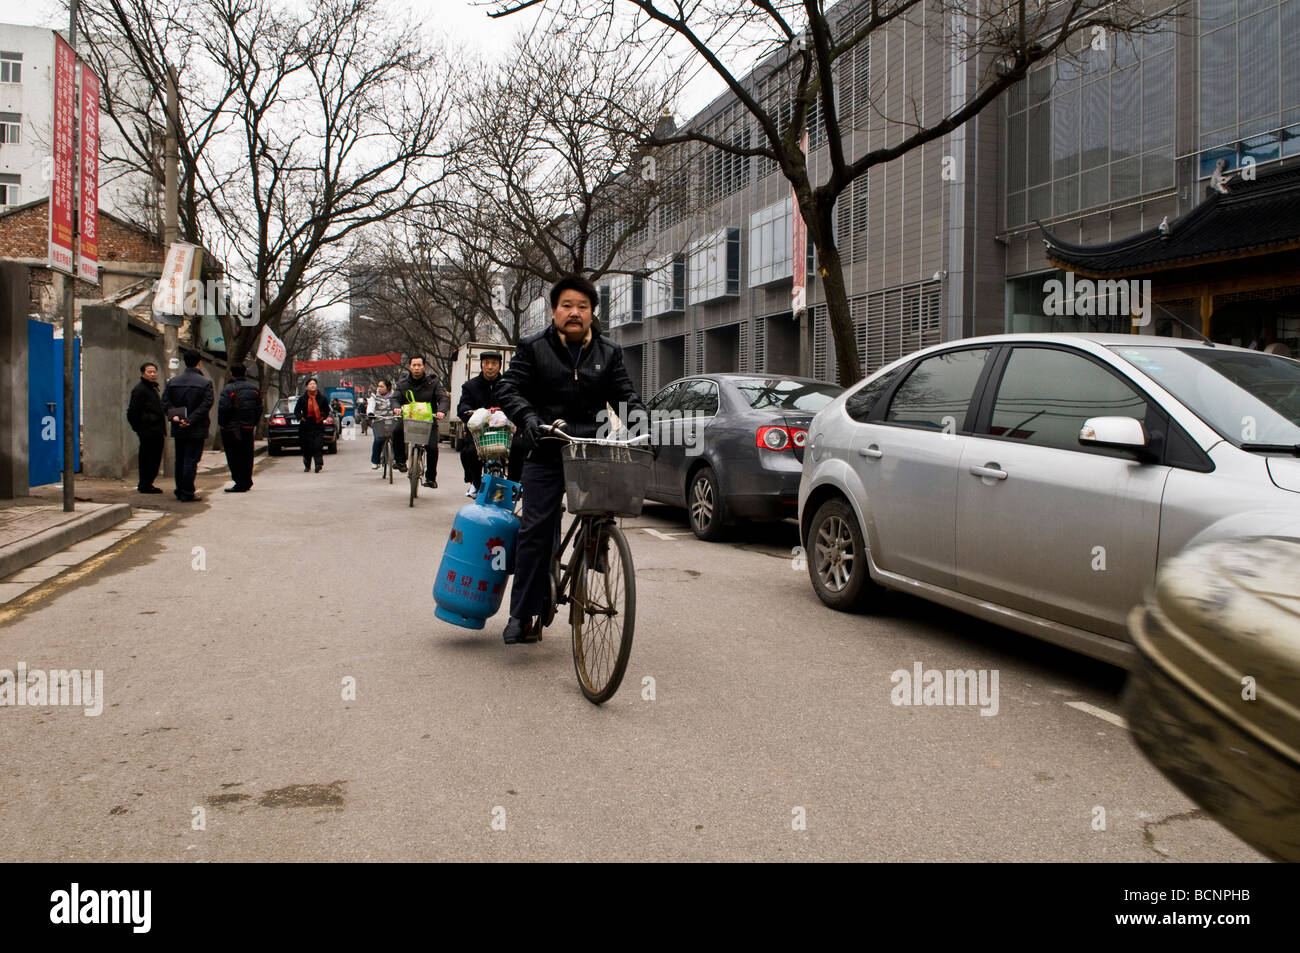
(493, 442)
(417, 431)
(606, 479)
(384, 426)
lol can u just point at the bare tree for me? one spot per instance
(801, 48)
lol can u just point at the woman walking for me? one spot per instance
(311, 411)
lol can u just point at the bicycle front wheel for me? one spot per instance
(417, 459)
(388, 462)
(603, 612)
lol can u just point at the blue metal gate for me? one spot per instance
(45, 404)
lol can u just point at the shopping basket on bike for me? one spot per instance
(493, 443)
(417, 431)
(384, 426)
(602, 478)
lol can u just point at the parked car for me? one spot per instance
(731, 446)
(1039, 480)
(282, 428)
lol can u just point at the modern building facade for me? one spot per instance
(956, 238)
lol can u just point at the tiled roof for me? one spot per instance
(1253, 217)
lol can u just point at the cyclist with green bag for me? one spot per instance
(420, 396)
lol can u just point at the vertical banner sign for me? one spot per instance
(271, 349)
(60, 250)
(88, 256)
(181, 266)
(799, 248)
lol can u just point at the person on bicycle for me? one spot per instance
(568, 372)
(420, 387)
(379, 404)
(483, 390)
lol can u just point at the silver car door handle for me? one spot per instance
(992, 472)
(874, 452)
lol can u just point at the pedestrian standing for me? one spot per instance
(312, 411)
(187, 402)
(145, 415)
(238, 410)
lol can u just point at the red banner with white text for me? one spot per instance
(88, 256)
(65, 82)
(347, 363)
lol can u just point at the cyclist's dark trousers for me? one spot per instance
(376, 448)
(312, 441)
(238, 442)
(473, 467)
(399, 445)
(538, 534)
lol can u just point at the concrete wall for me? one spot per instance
(113, 346)
(14, 299)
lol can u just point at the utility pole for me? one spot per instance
(71, 423)
(171, 230)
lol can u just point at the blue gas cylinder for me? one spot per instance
(479, 556)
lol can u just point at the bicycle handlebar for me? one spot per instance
(556, 432)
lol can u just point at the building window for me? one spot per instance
(10, 186)
(625, 300)
(11, 67)
(538, 313)
(770, 253)
(665, 288)
(715, 267)
(725, 173)
(1091, 128)
(11, 125)
(1250, 82)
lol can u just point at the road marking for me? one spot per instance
(1118, 720)
(659, 535)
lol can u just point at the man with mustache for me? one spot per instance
(568, 372)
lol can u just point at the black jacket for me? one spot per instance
(145, 412)
(427, 390)
(240, 405)
(478, 392)
(300, 410)
(544, 383)
(191, 390)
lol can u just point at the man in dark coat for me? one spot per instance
(238, 410)
(421, 387)
(483, 390)
(187, 403)
(145, 415)
(570, 372)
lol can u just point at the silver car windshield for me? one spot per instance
(1248, 398)
(777, 394)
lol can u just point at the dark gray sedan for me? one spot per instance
(730, 446)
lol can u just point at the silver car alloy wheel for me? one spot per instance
(702, 502)
(834, 554)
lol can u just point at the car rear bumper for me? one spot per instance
(769, 493)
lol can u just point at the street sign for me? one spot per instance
(271, 349)
(60, 244)
(88, 256)
(182, 264)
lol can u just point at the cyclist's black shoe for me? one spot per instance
(431, 484)
(521, 631)
(401, 467)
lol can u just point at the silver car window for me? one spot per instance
(1047, 394)
(937, 394)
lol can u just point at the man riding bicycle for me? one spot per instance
(421, 387)
(568, 372)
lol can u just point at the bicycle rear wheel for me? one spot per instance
(603, 612)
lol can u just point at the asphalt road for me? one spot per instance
(226, 635)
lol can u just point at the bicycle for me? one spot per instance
(384, 428)
(417, 435)
(604, 479)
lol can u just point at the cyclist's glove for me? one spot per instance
(533, 432)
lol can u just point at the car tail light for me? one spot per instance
(798, 437)
(773, 438)
(329, 420)
(277, 421)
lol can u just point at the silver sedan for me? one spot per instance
(1038, 480)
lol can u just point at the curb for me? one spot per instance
(55, 540)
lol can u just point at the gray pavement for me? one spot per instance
(227, 638)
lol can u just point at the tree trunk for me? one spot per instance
(848, 364)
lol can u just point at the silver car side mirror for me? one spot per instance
(1122, 432)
